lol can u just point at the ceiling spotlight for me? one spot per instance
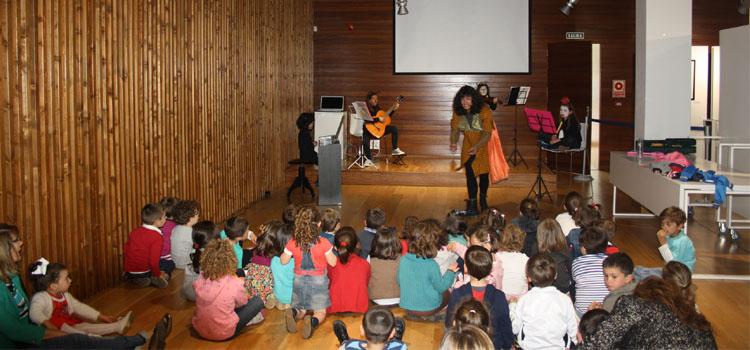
(402, 10)
(565, 9)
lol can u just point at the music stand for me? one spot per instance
(540, 122)
(516, 98)
(361, 111)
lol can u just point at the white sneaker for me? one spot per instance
(368, 163)
(397, 152)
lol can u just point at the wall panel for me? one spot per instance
(108, 104)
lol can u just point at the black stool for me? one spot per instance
(301, 179)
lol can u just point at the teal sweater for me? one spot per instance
(12, 328)
(421, 284)
(682, 249)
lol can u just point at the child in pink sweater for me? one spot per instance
(223, 307)
(487, 238)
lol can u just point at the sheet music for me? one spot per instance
(360, 107)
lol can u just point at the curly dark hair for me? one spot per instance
(477, 102)
(479, 87)
(306, 230)
(184, 210)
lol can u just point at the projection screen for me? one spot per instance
(463, 37)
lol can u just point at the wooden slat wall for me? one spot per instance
(351, 62)
(108, 104)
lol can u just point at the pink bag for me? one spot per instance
(498, 166)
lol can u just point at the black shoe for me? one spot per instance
(400, 329)
(161, 331)
(339, 328)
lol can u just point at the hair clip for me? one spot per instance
(196, 246)
(565, 100)
(472, 311)
(343, 244)
(41, 267)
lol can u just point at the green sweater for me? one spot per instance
(421, 284)
(12, 328)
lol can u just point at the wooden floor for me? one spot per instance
(726, 304)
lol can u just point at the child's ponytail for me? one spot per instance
(345, 241)
(203, 232)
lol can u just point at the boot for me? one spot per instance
(471, 207)
(483, 203)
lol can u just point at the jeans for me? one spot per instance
(366, 137)
(247, 312)
(82, 341)
(167, 266)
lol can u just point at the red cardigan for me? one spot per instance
(349, 285)
(142, 251)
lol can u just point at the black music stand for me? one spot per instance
(515, 156)
(540, 122)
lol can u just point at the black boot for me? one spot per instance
(471, 207)
(339, 329)
(483, 203)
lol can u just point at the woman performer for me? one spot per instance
(473, 117)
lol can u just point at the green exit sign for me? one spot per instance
(574, 35)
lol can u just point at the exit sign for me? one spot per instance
(574, 35)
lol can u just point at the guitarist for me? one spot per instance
(374, 108)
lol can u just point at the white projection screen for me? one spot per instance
(463, 37)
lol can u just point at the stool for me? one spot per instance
(301, 180)
(385, 144)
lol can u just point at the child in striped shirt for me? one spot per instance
(588, 273)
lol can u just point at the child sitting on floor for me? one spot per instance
(618, 276)
(588, 273)
(222, 306)
(478, 264)
(384, 259)
(283, 275)
(236, 230)
(545, 317)
(514, 282)
(143, 248)
(312, 254)
(484, 237)
(55, 308)
(572, 203)
(674, 243)
(424, 290)
(452, 226)
(590, 322)
(350, 277)
(528, 222)
(185, 214)
(259, 279)
(380, 328)
(203, 232)
(165, 259)
(330, 222)
(374, 218)
(406, 233)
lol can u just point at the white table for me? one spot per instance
(656, 192)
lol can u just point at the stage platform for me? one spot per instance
(426, 171)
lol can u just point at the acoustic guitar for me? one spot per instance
(382, 120)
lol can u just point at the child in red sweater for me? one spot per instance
(349, 278)
(143, 249)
